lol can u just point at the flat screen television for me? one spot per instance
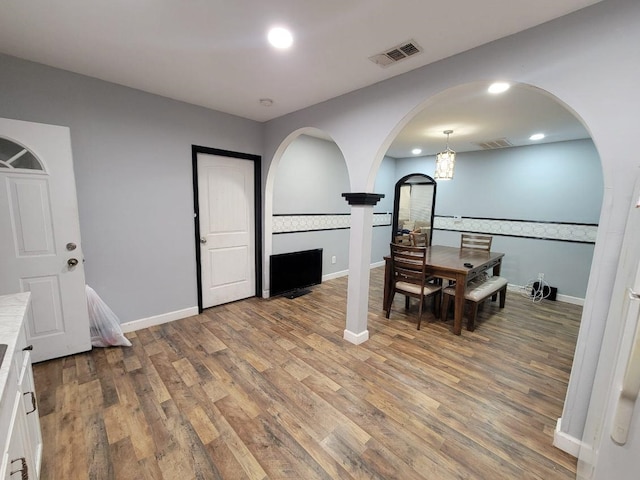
(291, 274)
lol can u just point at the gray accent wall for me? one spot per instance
(132, 160)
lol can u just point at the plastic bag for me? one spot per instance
(104, 324)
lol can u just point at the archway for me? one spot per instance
(528, 190)
(303, 206)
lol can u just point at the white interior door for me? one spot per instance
(227, 228)
(40, 248)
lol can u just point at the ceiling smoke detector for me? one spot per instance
(396, 54)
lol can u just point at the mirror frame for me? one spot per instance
(396, 201)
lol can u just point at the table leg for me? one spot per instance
(387, 283)
(461, 281)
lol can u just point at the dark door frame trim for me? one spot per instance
(257, 187)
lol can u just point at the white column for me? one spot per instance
(359, 267)
(359, 264)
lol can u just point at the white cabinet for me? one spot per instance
(20, 434)
(18, 464)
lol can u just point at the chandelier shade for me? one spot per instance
(445, 161)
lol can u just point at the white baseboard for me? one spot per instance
(331, 276)
(134, 325)
(356, 338)
(560, 298)
(569, 299)
(566, 442)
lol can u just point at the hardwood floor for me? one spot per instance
(269, 389)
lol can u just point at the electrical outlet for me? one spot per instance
(333, 259)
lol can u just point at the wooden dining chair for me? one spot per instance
(419, 239)
(477, 242)
(403, 240)
(409, 277)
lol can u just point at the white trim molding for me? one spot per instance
(566, 442)
(134, 325)
(518, 289)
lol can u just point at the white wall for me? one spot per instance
(588, 61)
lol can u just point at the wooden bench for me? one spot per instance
(476, 293)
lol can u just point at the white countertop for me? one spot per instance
(12, 311)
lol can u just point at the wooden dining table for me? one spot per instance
(452, 264)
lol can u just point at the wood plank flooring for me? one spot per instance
(263, 389)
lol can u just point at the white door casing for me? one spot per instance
(227, 228)
(40, 239)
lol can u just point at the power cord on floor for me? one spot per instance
(536, 289)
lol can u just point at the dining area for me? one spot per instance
(446, 276)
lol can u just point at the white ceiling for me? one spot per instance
(214, 53)
(476, 116)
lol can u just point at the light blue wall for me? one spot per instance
(310, 178)
(554, 182)
(385, 184)
(132, 160)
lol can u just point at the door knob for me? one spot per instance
(72, 262)
(203, 240)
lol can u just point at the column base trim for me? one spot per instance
(356, 338)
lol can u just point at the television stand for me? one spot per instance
(298, 292)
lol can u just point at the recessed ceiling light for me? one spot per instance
(537, 136)
(280, 37)
(499, 87)
(416, 151)
(266, 102)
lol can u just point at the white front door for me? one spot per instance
(40, 249)
(227, 228)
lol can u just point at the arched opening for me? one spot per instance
(541, 201)
(531, 194)
(304, 209)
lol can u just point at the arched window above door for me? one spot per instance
(15, 156)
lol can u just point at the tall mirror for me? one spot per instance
(413, 206)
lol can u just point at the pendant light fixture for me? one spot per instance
(445, 161)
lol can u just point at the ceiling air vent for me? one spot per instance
(397, 53)
(493, 144)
